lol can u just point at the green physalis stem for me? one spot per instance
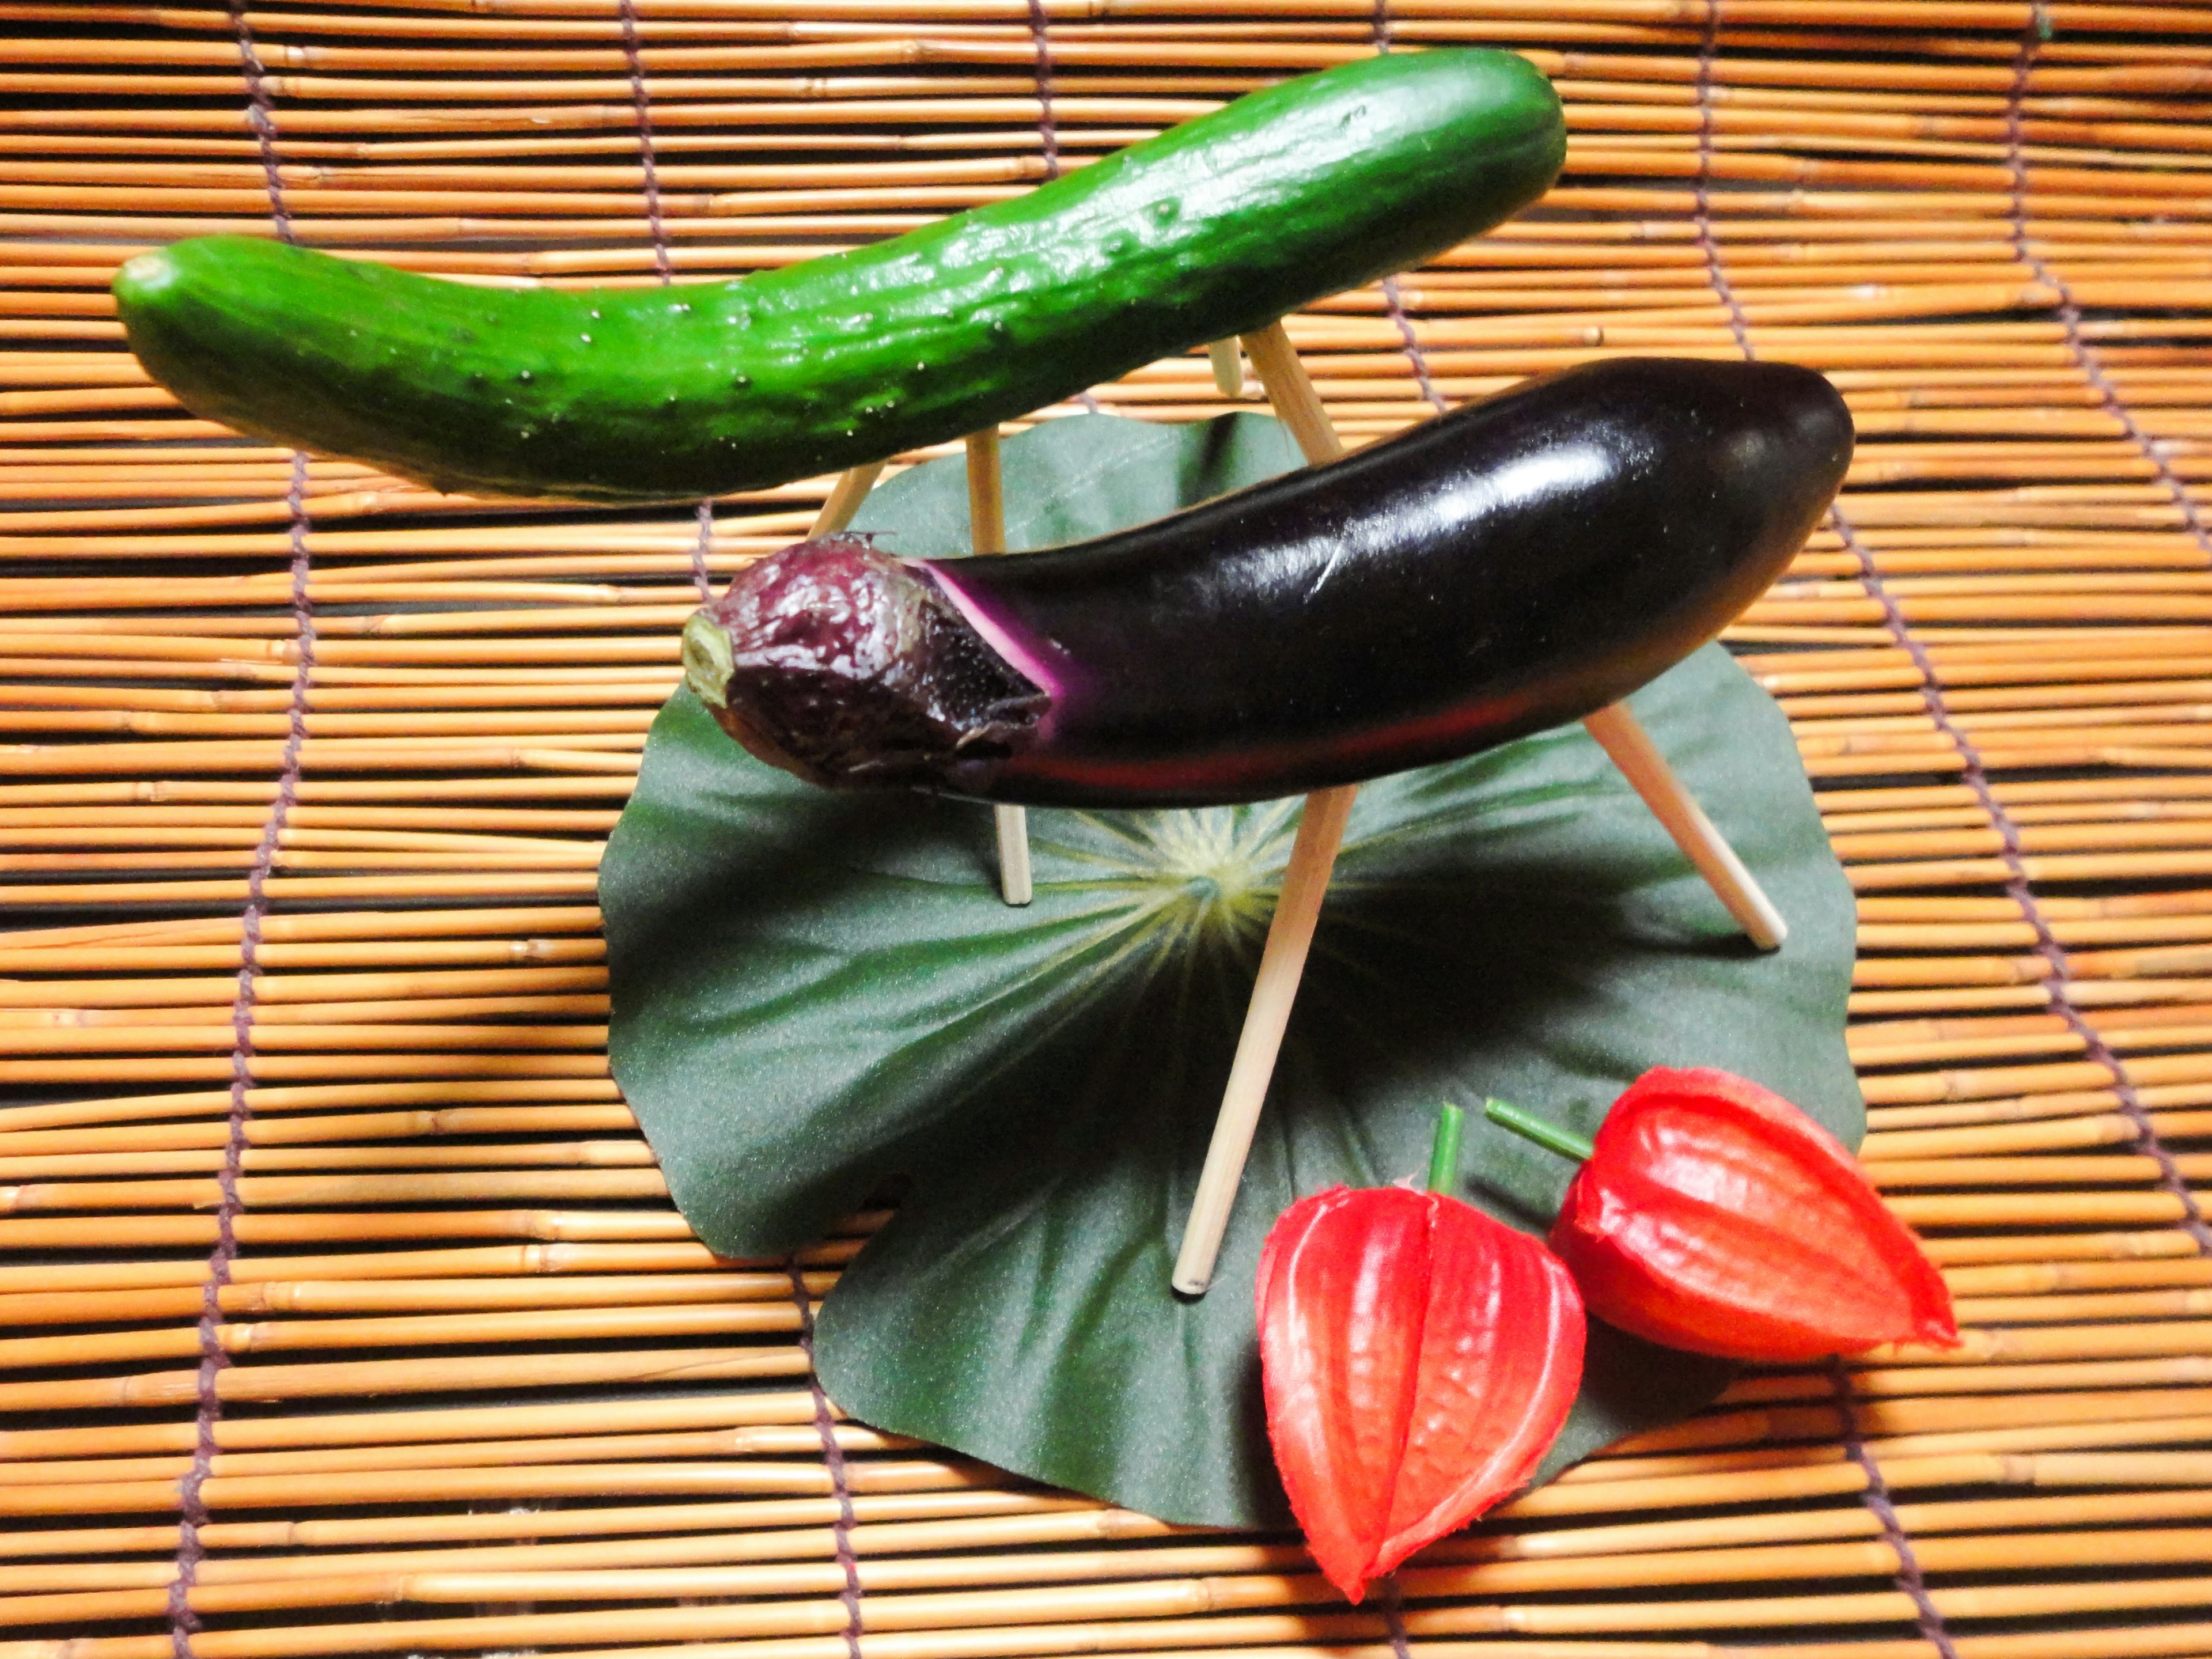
(1545, 1133)
(1443, 1151)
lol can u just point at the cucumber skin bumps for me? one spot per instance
(1215, 228)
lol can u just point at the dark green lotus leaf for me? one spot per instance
(815, 994)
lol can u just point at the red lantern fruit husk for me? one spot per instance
(1417, 1357)
(1714, 1216)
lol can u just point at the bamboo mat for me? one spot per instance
(344, 1312)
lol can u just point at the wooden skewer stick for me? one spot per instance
(1313, 856)
(851, 489)
(1282, 963)
(1630, 747)
(1227, 361)
(1290, 390)
(1615, 729)
(987, 518)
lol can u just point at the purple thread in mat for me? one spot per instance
(701, 545)
(635, 59)
(2021, 892)
(1413, 352)
(663, 265)
(1391, 302)
(192, 1514)
(1976, 776)
(1048, 133)
(833, 1459)
(1708, 241)
(261, 116)
(2069, 312)
(1876, 1497)
(1390, 1601)
(1040, 33)
(1929, 1617)
(191, 1506)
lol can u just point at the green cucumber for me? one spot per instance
(1215, 228)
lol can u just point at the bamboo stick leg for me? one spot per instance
(1291, 392)
(1282, 963)
(1630, 747)
(1632, 750)
(1227, 361)
(846, 496)
(1012, 824)
(986, 518)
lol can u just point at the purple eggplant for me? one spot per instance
(1512, 566)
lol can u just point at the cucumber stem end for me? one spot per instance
(145, 276)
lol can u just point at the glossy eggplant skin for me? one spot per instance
(1514, 565)
(1509, 566)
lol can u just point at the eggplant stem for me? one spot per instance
(987, 534)
(1443, 1151)
(1629, 746)
(1545, 1133)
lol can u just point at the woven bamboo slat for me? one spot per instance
(297, 751)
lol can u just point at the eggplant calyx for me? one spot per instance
(845, 666)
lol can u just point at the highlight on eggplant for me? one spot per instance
(1512, 566)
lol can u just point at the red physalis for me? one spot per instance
(1713, 1215)
(1418, 1358)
